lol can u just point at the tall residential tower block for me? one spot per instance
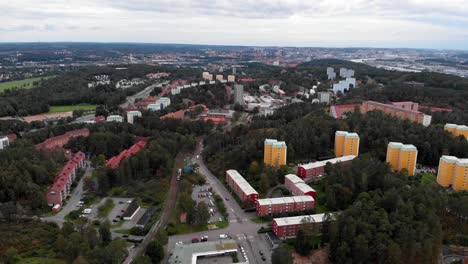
(457, 130)
(402, 156)
(453, 172)
(274, 152)
(346, 144)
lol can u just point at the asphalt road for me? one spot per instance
(142, 94)
(71, 203)
(241, 227)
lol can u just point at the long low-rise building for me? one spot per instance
(240, 186)
(60, 141)
(317, 168)
(115, 161)
(59, 190)
(275, 206)
(402, 110)
(287, 227)
(297, 186)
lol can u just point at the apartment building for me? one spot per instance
(402, 156)
(298, 187)
(317, 168)
(287, 227)
(402, 110)
(59, 141)
(60, 189)
(240, 186)
(274, 152)
(4, 142)
(346, 144)
(274, 206)
(457, 130)
(131, 116)
(115, 161)
(114, 118)
(453, 172)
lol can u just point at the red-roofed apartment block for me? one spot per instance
(115, 161)
(59, 190)
(59, 141)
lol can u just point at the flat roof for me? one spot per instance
(283, 200)
(322, 163)
(296, 220)
(275, 142)
(241, 182)
(409, 147)
(188, 253)
(462, 162)
(346, 134)
(450, 125)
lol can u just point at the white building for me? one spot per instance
(115, 118)
(346, 73)
(344, 85)
(4, 143)
(131, 116)
(160, 104)
(231, 78)
(239, 94)
(324, 97)
(219, 77)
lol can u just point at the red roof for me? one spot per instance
(59, 141)
(115, 161)
(246, 80)
(178, 115)
(11, 137)
(100, 118)
(436, 109)
(63, 176)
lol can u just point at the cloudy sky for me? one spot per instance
(315, 23)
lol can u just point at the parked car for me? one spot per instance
(115, 220)
(204, 238)
(223, 236)
(179, 243)
(195, 240)
(123, 210)
(125, 236)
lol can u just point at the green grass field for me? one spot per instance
(26, 83)
(428, 178)
(69, 108)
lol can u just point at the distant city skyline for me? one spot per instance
(426, 24)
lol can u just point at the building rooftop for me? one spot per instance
(241, 182)
(409, 147)
(283, 200)
(296, 220)
(188, 253)
(293, 178)
(322, 163)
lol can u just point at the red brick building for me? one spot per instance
(315, 169)
(115, 161)
(298, 187)
(274, 206)
(59, 141)
(59, 190)
(402, 110)
(287, 227)
(240, 186)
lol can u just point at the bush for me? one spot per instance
(73, 215)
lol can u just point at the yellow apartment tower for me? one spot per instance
(457, 130)
(274, 152)
(401, 156)
(453, 172)
(346, 144)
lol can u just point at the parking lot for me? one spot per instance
(202, 193)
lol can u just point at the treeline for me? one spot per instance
(387, 217)
(72, 88)
(24, 174)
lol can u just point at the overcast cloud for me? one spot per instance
(326, 23)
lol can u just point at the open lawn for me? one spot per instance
(26, 83)
(428, 178)
(69, 108)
